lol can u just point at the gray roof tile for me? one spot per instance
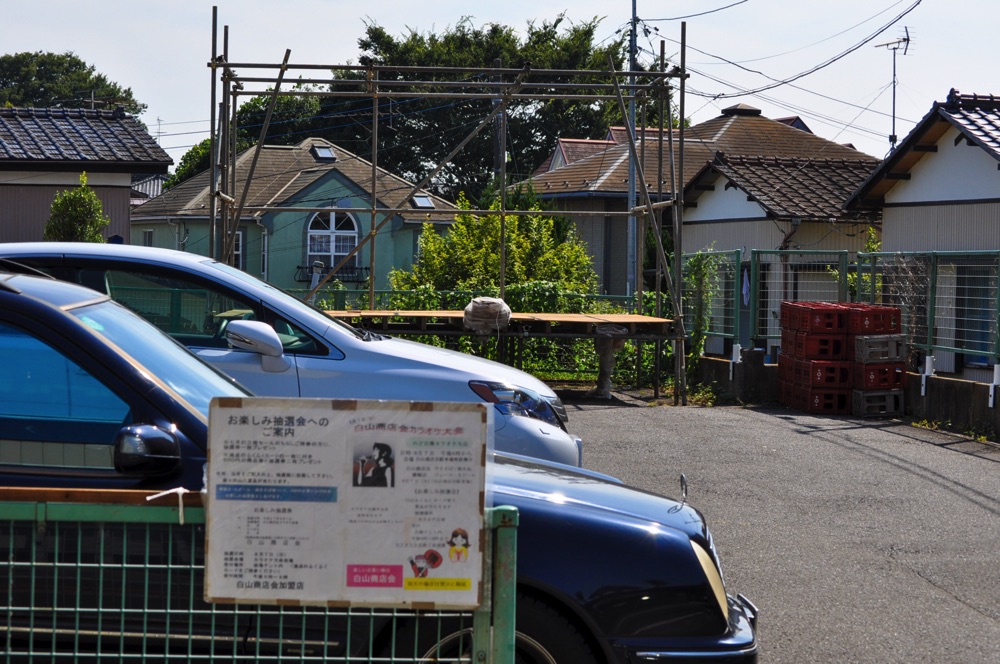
(739, 131)
(282, 171)
(81, 139)
(803, 188)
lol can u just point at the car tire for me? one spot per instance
(543, 636)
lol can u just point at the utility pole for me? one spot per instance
(632, 274)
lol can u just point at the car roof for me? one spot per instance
(60, 294)
(99, 250)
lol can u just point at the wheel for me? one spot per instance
(543, 636)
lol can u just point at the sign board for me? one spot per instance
(346, 502)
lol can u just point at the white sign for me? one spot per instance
(342, 502)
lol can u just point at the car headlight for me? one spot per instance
(713, 576)
(519, 401)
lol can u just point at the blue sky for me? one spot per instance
(160, 49)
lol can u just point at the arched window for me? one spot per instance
(330, 242)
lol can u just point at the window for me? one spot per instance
(330, 241)
(147, 237)
(423, 201)
(52, 412)
(265, 244)
(324, 153)
(238, 251)
(194, 314)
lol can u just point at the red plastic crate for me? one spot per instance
(824, 373)
(786, 367)
(822, 317)
(788, 342)
(789, 393)
(873, 319)
(825, 400)
(810, 346)
(789, 316)
(880, 376)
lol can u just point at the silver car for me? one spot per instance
(277, 345)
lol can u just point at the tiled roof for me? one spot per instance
(282, 172)
(606, 173)
(77, 139)
(976, 116)
(786, 188)
(739, 131)
(573, 149)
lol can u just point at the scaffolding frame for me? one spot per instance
(499, 85)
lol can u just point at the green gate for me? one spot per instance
(115, 579)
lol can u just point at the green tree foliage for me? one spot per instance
(76, 215)
(44, 80)
(292, 119)
(539, 250)
(194, 161)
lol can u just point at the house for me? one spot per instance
(43, 151)
(292, 216)
(145, 187)
(740, 141)
(790, 205)
(939, 194)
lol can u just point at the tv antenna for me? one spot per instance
(902, 43)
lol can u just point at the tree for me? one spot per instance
(415, 134)
(76, 215)
(539, 249)
(43, 80)
(194, 161)
(292, 119)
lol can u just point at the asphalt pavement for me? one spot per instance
(860, 540)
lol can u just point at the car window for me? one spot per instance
(168, 362)
(189, 312)
(52, 411)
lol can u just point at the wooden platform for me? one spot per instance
(647, 328)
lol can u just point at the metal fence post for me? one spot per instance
(504, 520)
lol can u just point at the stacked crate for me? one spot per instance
(878, 349)
(814, 371)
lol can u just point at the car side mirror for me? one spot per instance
(258, 337)
(144, 450)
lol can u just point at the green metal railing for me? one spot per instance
(125, 583)
(793, 276)
(950, 300)
(712, 293)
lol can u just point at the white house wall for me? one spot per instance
(968, 227)
(960, 172)
(722, 203)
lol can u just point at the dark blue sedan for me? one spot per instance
(92, 395)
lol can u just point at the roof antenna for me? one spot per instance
(894, 46)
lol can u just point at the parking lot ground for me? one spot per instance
(861, 540)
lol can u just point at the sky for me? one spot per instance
(830, 62)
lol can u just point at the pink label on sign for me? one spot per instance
(375, 576)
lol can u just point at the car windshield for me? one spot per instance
(165, 359)
(287, 300)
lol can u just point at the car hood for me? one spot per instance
(521, 481)
(433, 358)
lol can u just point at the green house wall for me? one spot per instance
(395, 242)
